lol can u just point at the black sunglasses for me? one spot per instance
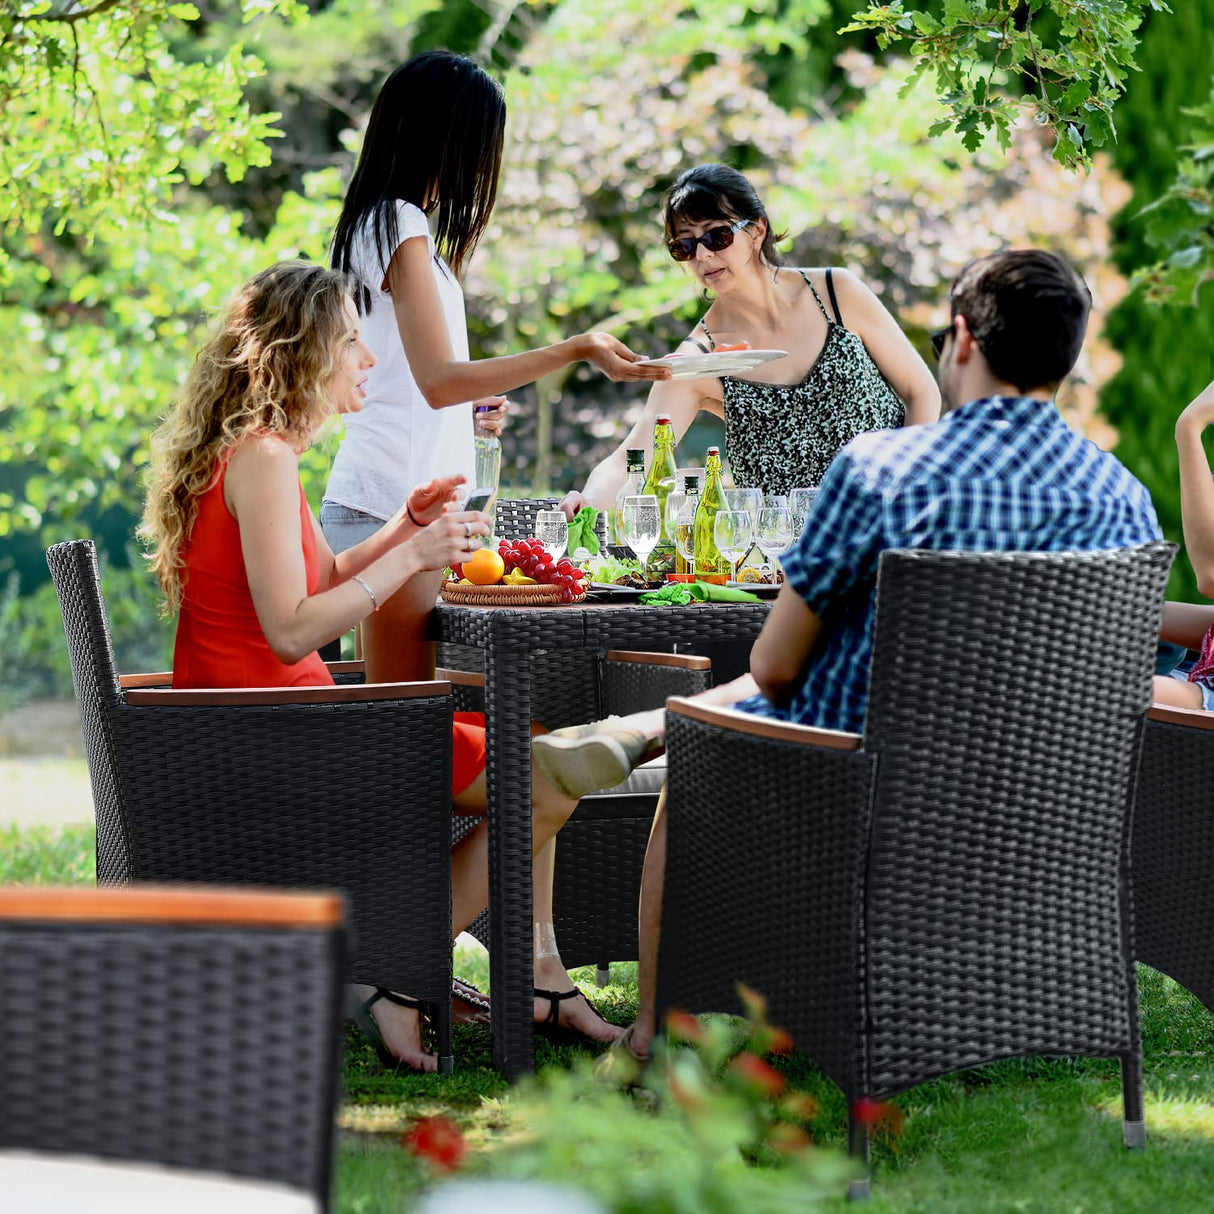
(714, 240)
(938, 338)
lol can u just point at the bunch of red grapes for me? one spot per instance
(529, 556)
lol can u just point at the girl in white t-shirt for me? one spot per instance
(431, 159)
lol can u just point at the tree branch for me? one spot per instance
(70, 18)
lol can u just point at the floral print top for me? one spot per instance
(779, 437)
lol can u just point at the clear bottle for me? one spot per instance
(488, 452)
(684, 538)
(635, 457)
(660, 481)
(711, 566)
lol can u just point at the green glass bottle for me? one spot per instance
(711, 566)
(635, 457)
(659, 482)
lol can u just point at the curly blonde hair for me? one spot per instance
(266, 367)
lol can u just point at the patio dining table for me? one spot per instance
(509, 636)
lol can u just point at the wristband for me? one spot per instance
(409, 512)
(370, 592)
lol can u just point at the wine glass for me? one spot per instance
(685, 532)
(775, 530)
(552, 530)
(799, 501)
(733, 532)
(674, 504)
(641, 517)
(750, 500)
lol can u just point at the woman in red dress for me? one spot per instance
(243, 562)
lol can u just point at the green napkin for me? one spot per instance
(681, 593)
(581, 531)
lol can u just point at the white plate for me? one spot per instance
(763, 589)
(697, 366)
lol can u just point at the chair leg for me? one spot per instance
(857, 1148)
(441, 1012)
(1134, 1125)
(602, 974)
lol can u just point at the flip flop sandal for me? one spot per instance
(361, 1014)
(551, 1025)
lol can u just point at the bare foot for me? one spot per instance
(577, 1015)
(400, 1028)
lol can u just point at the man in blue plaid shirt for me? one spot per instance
(1000, 471)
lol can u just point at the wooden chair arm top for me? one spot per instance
(158, 678)
(358, 667)
(236, 697)
(684, 661)
(1196, 718)
(184, 904)
(461, 678)
(764, 727)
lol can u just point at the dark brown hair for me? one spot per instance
(715, 191)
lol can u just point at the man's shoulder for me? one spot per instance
(880, 458)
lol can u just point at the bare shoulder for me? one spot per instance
(263, 457)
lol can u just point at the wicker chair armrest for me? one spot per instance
(764, 727)
(1196, 718)
(237, 697)
(683, 661)
(196, 906)
(156, 678)
(461, 678)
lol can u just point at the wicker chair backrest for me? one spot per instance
(176, 1060)
(73, 566)
(515, 517)
(1007, 697)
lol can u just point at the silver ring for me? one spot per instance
(468, 544)
(467, 529)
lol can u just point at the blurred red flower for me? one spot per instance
(878, 1115)
(438, 1140)
(684, 1026)
(755, 1073)
(788, 1139)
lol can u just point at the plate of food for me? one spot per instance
(724, 360)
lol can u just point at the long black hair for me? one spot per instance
(715, 191)
(434, 139)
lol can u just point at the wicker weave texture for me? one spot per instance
(269, 795)
(1173, 855)
(1005, 759)
(197, 1048)
(763, 885)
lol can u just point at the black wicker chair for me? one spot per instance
(345, 787)
(192, 1029)
(1173, 849)
(950, 888)
(600, 851)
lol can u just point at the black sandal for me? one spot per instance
(470, 994)
(361, 1014)
(551, 1025)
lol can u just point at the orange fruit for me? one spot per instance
(484, 567)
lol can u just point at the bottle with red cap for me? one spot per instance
(659, 482)
(710, 565)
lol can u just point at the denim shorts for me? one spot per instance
(1207, 692)
(344, 526)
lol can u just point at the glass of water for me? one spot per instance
(775, 530)
(800, 501)
(733, 532)
(552, 530)
(641, 520)
(750, 500)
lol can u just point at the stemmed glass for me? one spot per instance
(641, 517)
(733, 532)
(750, 500)
(674, 504)
(775, 530)
(800, 500)
(552, 530)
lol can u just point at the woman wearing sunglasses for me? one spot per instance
(848, 370)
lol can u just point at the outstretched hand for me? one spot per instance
(428, 502)
(616, 360)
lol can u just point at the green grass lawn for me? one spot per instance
(1014, 1136)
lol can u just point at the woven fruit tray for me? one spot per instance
(539, 595)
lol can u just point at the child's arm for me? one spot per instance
(1197, 489)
